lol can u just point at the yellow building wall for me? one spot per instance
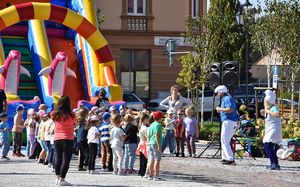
(170, 15)
(112, 10)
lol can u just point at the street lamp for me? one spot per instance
(242, 20)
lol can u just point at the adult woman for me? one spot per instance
(64, 120)
(175, 101)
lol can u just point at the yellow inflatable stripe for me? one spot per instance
(72, 20)
(96, 40)
(10, 16)
(41, 10)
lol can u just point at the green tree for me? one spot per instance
(215, 37)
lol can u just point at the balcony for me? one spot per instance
(136, 23)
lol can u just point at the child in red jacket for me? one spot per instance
(179, 134)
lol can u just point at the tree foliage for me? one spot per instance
(215, 37)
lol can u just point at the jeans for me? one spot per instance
(83, 154)
(92, 155)
(117, 158)
(169, 140)
(51, 155)
(32, 145)
(17, 142)
(227, 131)
(105, 153)
(271, 150)
(190, 141)
(5, 144)
(63, 151)
(130, 156)
(180, 145)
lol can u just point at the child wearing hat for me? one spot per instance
(4, 136)
(273, 129)
(93, 141)
(112, 110)
(169, 136)
(155, 145)
(17, 131)
(105, 136)
(30, 129)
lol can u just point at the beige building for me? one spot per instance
(137, 31)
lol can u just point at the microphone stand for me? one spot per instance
(216, 138)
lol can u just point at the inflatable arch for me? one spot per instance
(46, 11)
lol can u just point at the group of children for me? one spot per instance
(121, 135)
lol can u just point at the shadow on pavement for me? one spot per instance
(196, 178)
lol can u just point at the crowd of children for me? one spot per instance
(120, 134)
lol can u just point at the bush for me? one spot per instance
(209, 130)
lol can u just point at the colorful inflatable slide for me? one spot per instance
(62, 52)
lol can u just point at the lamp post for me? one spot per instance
(243, 21)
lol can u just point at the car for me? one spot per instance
(287, 102)
(133, 101)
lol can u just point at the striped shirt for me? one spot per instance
(104, 130)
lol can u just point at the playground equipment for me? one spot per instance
(29, 25)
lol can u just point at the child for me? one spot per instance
(82, 141)
(4, 136)
(273, 130)
(155, 143)
(17, 131)
(169, 137)
(93, 141)
(41, 138)
(179, 134)
(130, 143)
(191, 131)
(105, 145)
(47, 137)
(30, 128)
(117, 138)
(142, 147)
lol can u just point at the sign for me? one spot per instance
(275, 76)
(180, 41)
(275, 81)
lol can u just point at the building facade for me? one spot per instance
(137, 31)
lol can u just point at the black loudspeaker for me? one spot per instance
(231, 74)
(215, 75)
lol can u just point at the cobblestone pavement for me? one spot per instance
(176, 172)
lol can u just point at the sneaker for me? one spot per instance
(57, 181)
(182, 155)
(274, 167)
(157, 178)
(104, 168)
(64, 183)
(150, 178)
(115, 172)
(229, 162)
(81, 169)
(21, 155)
(92, 172)
(190, 155)
(5, 158)
(194, 155)
(49, 165)
(45, 163)
(223, 160)
(177, 154)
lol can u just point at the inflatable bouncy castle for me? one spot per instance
(54, 48)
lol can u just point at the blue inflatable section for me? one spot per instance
(37, 66)
(11, 109)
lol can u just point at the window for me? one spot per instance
(135, 71)
(136, 7)
(195, 8)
